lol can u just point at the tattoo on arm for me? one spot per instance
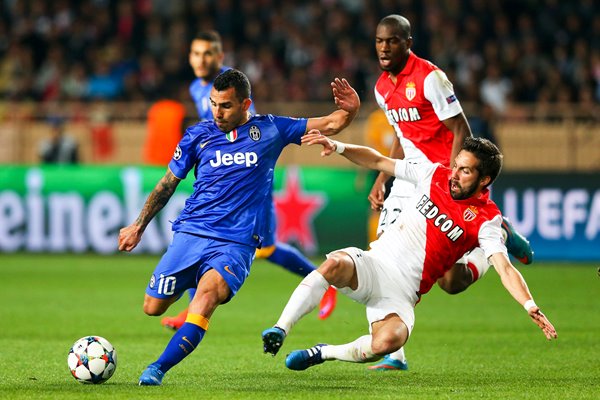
(158, 198)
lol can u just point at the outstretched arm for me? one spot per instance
(360, 155)
(515, 284)
(348, 103)
(130, 236)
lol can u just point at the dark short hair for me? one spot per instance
(488, 154)
(397, 22)
(235, 79)
(212, 37)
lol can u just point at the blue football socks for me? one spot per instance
(291, 259)
(183, 342)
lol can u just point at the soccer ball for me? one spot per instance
(92, 359)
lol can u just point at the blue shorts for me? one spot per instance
(189, 257)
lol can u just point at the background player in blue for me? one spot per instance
(206, 59)
(222, 223)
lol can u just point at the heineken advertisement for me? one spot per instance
(82, 208)
(559, 213)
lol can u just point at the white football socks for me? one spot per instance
(305, 298)
(359, 351)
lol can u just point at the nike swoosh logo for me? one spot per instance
(228, 270)
(204, 144)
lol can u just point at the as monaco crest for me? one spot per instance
(470, 214)
(411, 90)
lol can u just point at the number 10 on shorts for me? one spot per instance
(166, 285)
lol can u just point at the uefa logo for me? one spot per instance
(177, 154)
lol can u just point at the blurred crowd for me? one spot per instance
(496, 52)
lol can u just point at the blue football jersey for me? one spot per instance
(234, 176)
(200, 92)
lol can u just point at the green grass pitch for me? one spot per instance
(479, 344)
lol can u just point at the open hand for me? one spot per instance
(345, 96)
(314, 136)
(545, 325)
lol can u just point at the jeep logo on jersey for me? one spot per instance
(440, 220)
(228, 159)
(177, 154)
(411, 90)
(254, 133)
(231, 136)
(404, 114)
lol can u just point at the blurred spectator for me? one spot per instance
(129, 49)
(164, 131)
(59, 147)
(495, 89)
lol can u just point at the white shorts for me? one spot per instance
(392, 207)
(381, 289)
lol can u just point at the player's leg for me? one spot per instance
(468, 270)
(178, 320)
(155, 306)
(337, 270)
(293, 260)
(223, 267)
(387, 336)
(464, 273)
(212, 291)
(288, 257)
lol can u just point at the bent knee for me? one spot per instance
(389, 335)
(386, 345)
(154, 306)
(452, 287)
(333, 265)
(457, 279)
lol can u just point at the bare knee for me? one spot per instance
(388, 335)
(154, 306)
(456, 280)
(339, 270)
(452, 287)
(331, 266)
(386, 343)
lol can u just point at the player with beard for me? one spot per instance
(449, 214)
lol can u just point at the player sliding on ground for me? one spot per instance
(450, 213)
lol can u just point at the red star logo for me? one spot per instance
(296, 210)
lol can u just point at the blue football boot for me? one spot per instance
(299, 360)
(516, 244)
(389, 364)
(273, 339)
(152, 376)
